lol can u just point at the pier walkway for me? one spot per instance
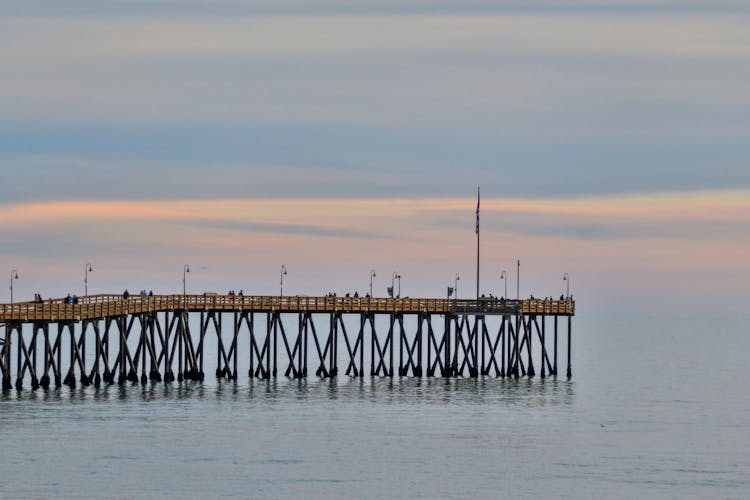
(104, 306)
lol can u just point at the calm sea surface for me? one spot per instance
(656, 408)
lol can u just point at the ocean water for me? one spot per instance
(656, 408)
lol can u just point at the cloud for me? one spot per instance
(689, 216)
(537, 103)
(297, 229)
(655, 246)
(685, 216)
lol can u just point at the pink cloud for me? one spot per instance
(332, 243)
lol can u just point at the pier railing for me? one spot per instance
(101, 306)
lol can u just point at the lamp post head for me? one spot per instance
(283, 269)
(89, 268)
(14, 274)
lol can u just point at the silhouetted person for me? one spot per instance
(126, 294)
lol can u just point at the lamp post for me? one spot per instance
(281, 280)
(566, 279)
(504, 277)
(372, 275)
(13, 276)
(185, 270)
(87, 269)
(455, 286)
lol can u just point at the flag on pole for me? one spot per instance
(477, 229)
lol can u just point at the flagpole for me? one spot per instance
(477, 242)
(518, 279)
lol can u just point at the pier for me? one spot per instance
(107, 339)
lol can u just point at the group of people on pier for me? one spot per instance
(531, 297)
(348, 295)
(68, 299)
(142, 294)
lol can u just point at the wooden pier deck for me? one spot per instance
(107, 305)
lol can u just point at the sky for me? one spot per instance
(610, 139)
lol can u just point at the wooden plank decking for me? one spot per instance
(103, 306)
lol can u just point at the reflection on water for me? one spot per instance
(630, 426)
(380, 390)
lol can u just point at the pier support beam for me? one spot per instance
(326, 353)
(528, 337)
(260, 353)
(355, 350)
(381, 354)
(490, 346)
(410, 352)
(442, 350)
(570, 372)
(554, 361)
(466, 344)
